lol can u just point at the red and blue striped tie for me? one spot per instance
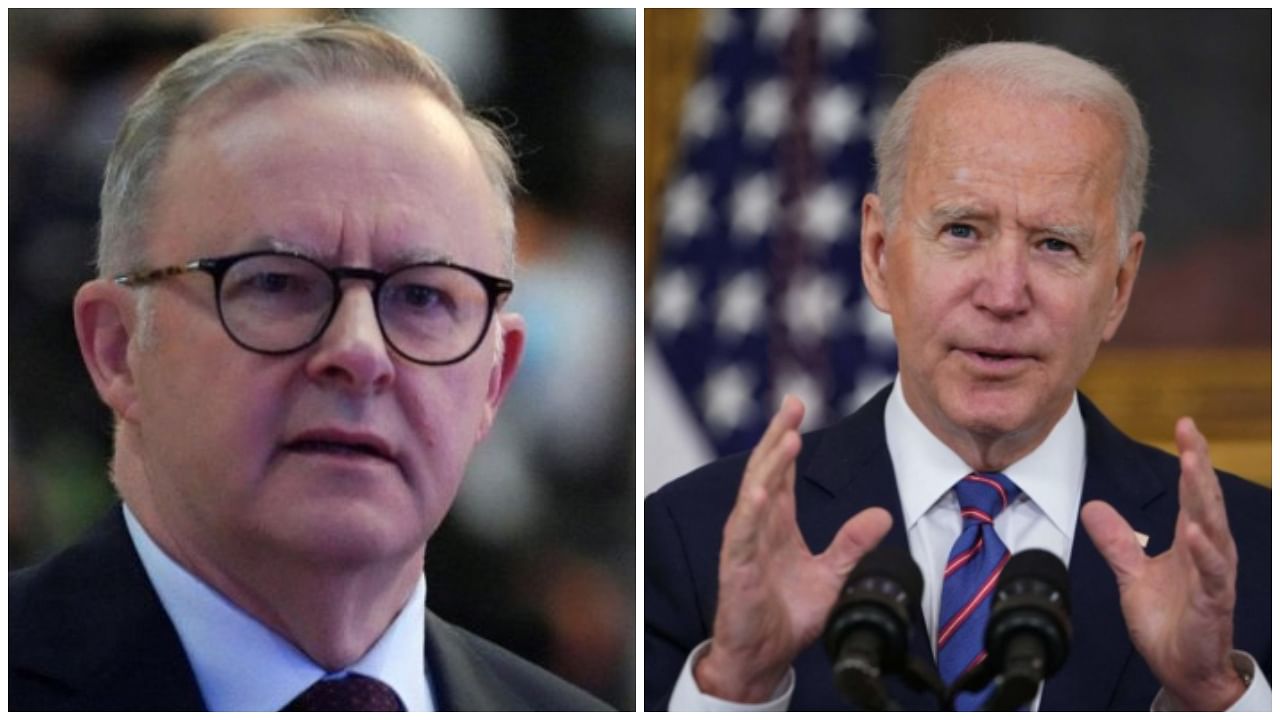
(973, 567)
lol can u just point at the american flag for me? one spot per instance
(759, 289)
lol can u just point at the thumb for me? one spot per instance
(1114, 539)
(856, 538)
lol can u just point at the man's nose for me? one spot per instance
(1003, 287)
(352, 352)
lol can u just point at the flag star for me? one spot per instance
(719, 25)
(726, 399)
(842, 29)
(703, 114)
(836, 117)
(767, 108)
(775, 26)
(687, 208)
(876, 325)
(675, 299)
(740, 305)
(812, 306)
(807, 388)
(753, 206)
(827, 215)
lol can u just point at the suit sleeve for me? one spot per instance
(673, 624)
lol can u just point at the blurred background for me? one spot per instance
(538, 555)
(757, 152)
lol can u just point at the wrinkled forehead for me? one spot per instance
(966, 126)
(385, 161)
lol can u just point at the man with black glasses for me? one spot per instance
(298, 326)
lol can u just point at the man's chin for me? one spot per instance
(993, 411)
(346, 532)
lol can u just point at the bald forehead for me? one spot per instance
(960, 117)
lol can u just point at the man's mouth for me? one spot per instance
(340, 444)
(996, 359)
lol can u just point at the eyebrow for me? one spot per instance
(1072, 233)
(401, 258)
(952, 212)
(949, 213)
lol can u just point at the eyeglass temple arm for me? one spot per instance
(145, 277)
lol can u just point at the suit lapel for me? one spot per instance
(1100, 647)
(460, 679)
(102, 632)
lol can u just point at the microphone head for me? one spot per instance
(1038, 565)
(894, 564)
(1031, 610)
(875, 605)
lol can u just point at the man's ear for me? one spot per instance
(105, 322)
(1125, 279)
(512, 329)
(874, 246)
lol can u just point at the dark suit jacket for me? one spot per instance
(846, 467)
(87, 632)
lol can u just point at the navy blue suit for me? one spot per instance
(845, 468)
(87, 632)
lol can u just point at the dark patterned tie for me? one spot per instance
(354, 693)
(973, 567)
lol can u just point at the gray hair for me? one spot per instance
(1023, 69)
(272, 58)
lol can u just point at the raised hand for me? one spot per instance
(1179, 605)
(774, 594)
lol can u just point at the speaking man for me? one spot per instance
(306, 245)
(1003, 240)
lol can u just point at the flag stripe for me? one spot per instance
(758, 291)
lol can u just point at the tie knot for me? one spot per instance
(983, 496)
(355, 693)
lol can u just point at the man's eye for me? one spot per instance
(962, 231)
(274, 282)
(1055, 245)
(422, 299)
(420, 296)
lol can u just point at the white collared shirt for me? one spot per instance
(1043, 517)
(240, 664)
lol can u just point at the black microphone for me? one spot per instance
(866, 633)
(1029, 632)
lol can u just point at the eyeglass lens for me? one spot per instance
(279, 303)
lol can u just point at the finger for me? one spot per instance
(857, 537)
(765, 475)
(1114, 539)
(761, 488)
(790, 413)
(1217, 574)
(772, 472)
(787, 416)
(1199, 493)
(743, 528)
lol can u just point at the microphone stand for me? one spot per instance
(865, 686)
(1011, 690)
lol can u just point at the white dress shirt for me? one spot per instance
(1043, 517)
(241, 665)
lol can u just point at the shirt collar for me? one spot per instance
(1051, 476)
(240, 664)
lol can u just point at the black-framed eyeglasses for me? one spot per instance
(275, 303)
